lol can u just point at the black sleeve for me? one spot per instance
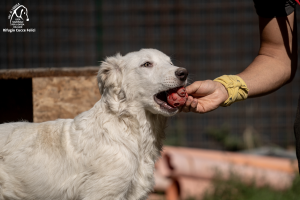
(274, 8)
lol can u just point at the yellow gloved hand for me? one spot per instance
(236, 88)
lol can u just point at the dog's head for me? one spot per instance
(142, 77)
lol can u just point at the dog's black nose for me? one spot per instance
(181, 73)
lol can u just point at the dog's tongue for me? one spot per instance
(177, 97)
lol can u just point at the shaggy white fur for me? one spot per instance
(107, 152)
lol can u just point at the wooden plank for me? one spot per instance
(63, 97)
(47, 72)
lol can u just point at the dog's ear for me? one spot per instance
(110, 74)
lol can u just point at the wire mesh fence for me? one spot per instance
(209, 38)
(65, 35)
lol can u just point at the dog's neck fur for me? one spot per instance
(129, 131)
(145, 128)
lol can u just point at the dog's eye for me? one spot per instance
(146, 64)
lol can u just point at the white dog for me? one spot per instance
(107, 152)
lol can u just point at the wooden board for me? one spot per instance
(47, 72)
(63, 97)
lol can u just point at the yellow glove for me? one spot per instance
(236, 88)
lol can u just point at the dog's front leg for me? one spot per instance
(143, 184)
(112, 179)
(106, 193)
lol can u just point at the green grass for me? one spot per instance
(234, 189)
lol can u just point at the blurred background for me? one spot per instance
(209, 38)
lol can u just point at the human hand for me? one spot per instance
(204, 96)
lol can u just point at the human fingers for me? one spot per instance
(190, 89)
(186, 107)
(201, 88)
(194, 104)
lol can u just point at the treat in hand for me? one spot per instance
(177, 97)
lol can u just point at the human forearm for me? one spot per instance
(274, 66)
(265, 75)
(276, 62)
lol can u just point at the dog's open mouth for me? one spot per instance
(161, 99)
